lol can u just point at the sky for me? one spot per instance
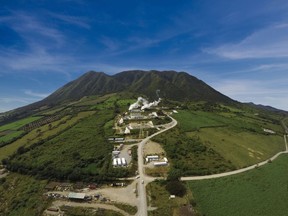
(238, 47)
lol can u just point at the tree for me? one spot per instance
(174, 175)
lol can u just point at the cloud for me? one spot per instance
(35, 94)
(32, 28)
(270, 42)
(74, 20)
(259, 92)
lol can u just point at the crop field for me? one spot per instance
(22, 195)
(259, 192)
(42, 133)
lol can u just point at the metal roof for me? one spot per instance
(76, 195)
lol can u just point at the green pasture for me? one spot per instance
(243, 148)
(259, 192)
(18, 124)
(11, 135)
(237, 137)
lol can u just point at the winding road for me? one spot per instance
(144, 179)
(142, 200)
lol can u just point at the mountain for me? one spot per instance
(179, 86)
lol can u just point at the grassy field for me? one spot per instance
(18, 124)
(11, 131)
(42, 133)
(22, 195)
(236, 136)
(260, 192)
(243, 148)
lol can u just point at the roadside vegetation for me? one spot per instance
(259, 192)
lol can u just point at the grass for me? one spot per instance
(243, 148)
(237, 136)
(18, 124)
(42, 132)
(260, 192)
(11, 135)
(22, 195)
(132, 210)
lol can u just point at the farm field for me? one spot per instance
(11, 131)
(42, 132)
(259, 192)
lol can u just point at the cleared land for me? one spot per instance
(260, 192)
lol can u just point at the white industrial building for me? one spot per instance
(162, 163)
(152, 158)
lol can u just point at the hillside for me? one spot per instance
(178, 86)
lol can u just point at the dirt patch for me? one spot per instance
(152, 148)
(118, 194)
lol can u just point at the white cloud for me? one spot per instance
(35, 94)
(270, 42)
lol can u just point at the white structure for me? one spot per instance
(160, 163)
(123, 161)
(115, 152)
(152, 158)
(127, 131)
(120, 121)
(269, 131)
(174, 111)
(115, 162)
(165, 159)
(119, 161)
